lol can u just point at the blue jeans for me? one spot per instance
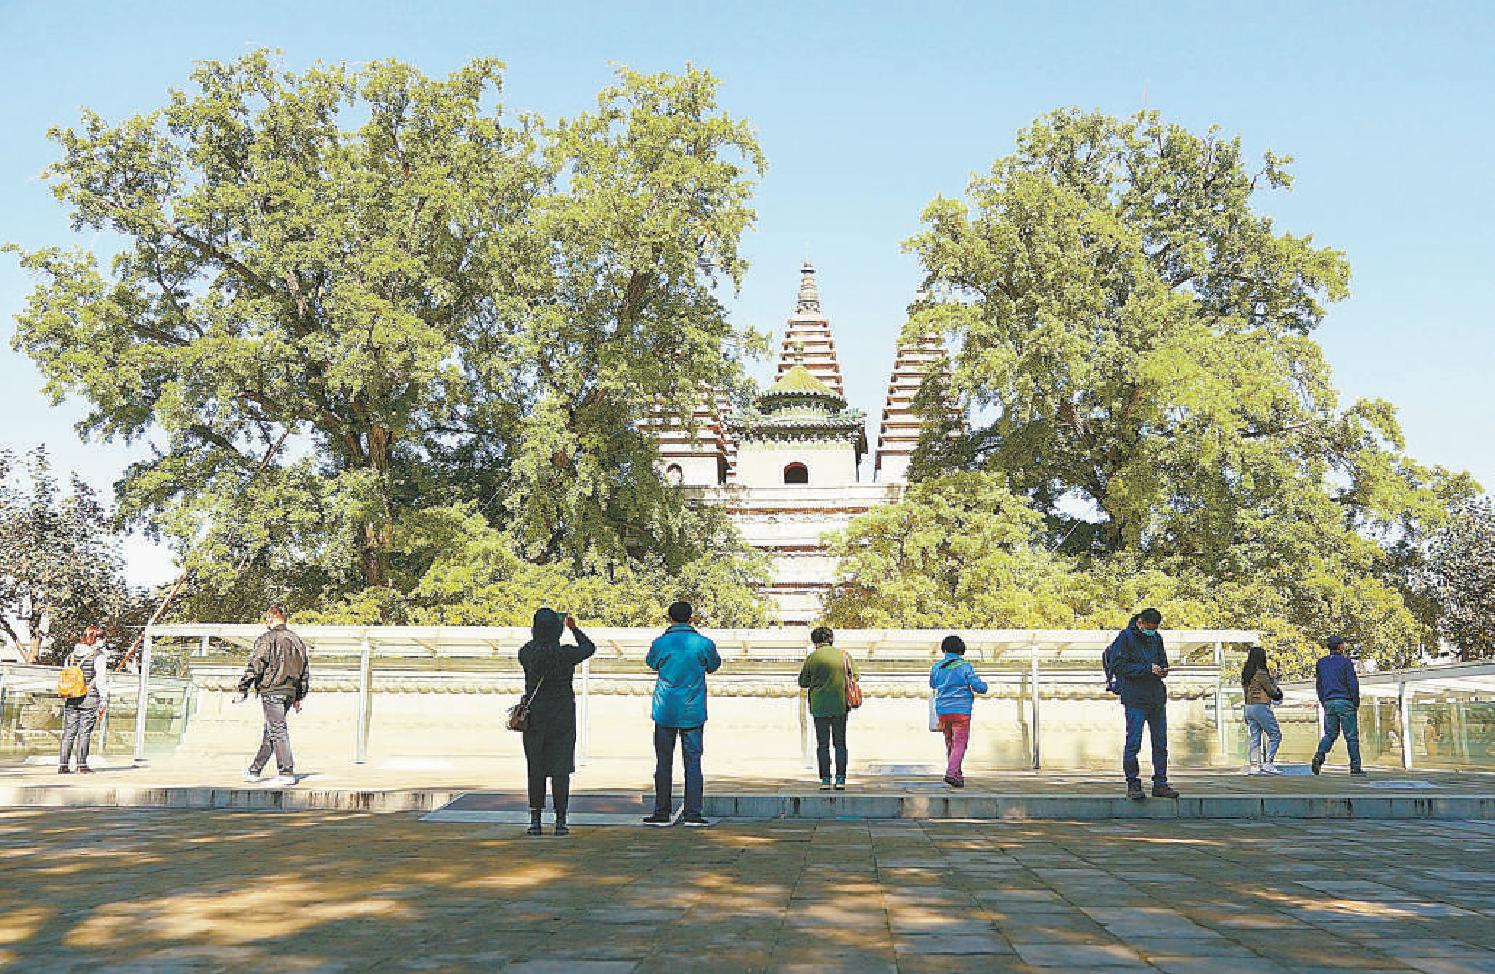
(1260, 720)
(691, 746)
(1156, 719)
(1339, 717)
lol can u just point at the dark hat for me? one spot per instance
(1334, 642)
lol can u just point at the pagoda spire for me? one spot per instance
(807, 337)
(809, 292)
(901, 424)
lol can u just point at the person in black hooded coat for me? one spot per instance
(550, 738)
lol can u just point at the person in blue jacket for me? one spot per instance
(955, 685)
(1339, 694)
(682, 657)
(1136, 666)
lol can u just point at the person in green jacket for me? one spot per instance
(824, 675)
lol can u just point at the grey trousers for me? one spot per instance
(77, 731)
(277, 736)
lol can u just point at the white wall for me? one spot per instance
(761, 463)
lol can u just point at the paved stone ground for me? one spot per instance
(163, 891)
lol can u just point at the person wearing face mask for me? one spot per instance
(1137, 664)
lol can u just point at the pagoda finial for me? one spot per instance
(809, 294)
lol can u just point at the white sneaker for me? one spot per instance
(282, 781)
(251, 776)
(1270, 769)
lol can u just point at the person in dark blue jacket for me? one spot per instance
(1136, 664)
(1339, 694)
(682, 657)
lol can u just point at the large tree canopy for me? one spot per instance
(392, 294)
(1139, 336)
(1134, 346)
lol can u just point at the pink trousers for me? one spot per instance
(957, 728)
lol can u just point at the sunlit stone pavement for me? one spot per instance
(160, 891)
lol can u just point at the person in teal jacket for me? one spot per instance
(682, 657)
(955, 686)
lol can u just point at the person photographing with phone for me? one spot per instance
(550, 731)
(1138, 664)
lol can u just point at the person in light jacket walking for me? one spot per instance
(955, 686)
(81, 714)
(682, 657)
(824, 674)
(550, 737)
(1261, 693)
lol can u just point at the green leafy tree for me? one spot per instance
(1140, 338)
(60, 566)
(1135, 340)
(478, 577)
(1460, 577)
(390, 294)
(958, 550)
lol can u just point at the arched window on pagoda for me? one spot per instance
(796, 473)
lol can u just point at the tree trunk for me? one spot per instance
(378, 533)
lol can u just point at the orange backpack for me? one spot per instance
(70, 683)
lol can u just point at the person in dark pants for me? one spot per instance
(81, 714)
(682, 657)
(1137, 664)
(1339, 694)
(550, 737)
(278, 671)
(824, 675)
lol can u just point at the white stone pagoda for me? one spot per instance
(786, 470)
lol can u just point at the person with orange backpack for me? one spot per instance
(83, 685)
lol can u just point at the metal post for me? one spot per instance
(586, 709)
(365, 700)
(1220, 698)
(205, 645)
(1033, 704)
(1404, 722)
(142, 699)
(806, 748)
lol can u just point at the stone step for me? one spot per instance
(849, 805)
(761, 806)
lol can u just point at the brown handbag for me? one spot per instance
(853, 688)
(519, 713)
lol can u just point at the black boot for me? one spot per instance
(560, 787)
(534, 823)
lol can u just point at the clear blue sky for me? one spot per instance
(867, 111)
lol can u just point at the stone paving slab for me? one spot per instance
(185, 891)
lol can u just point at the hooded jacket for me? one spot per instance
(1132, 655)
(682, 657)
(550, 666)
(955, 685)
